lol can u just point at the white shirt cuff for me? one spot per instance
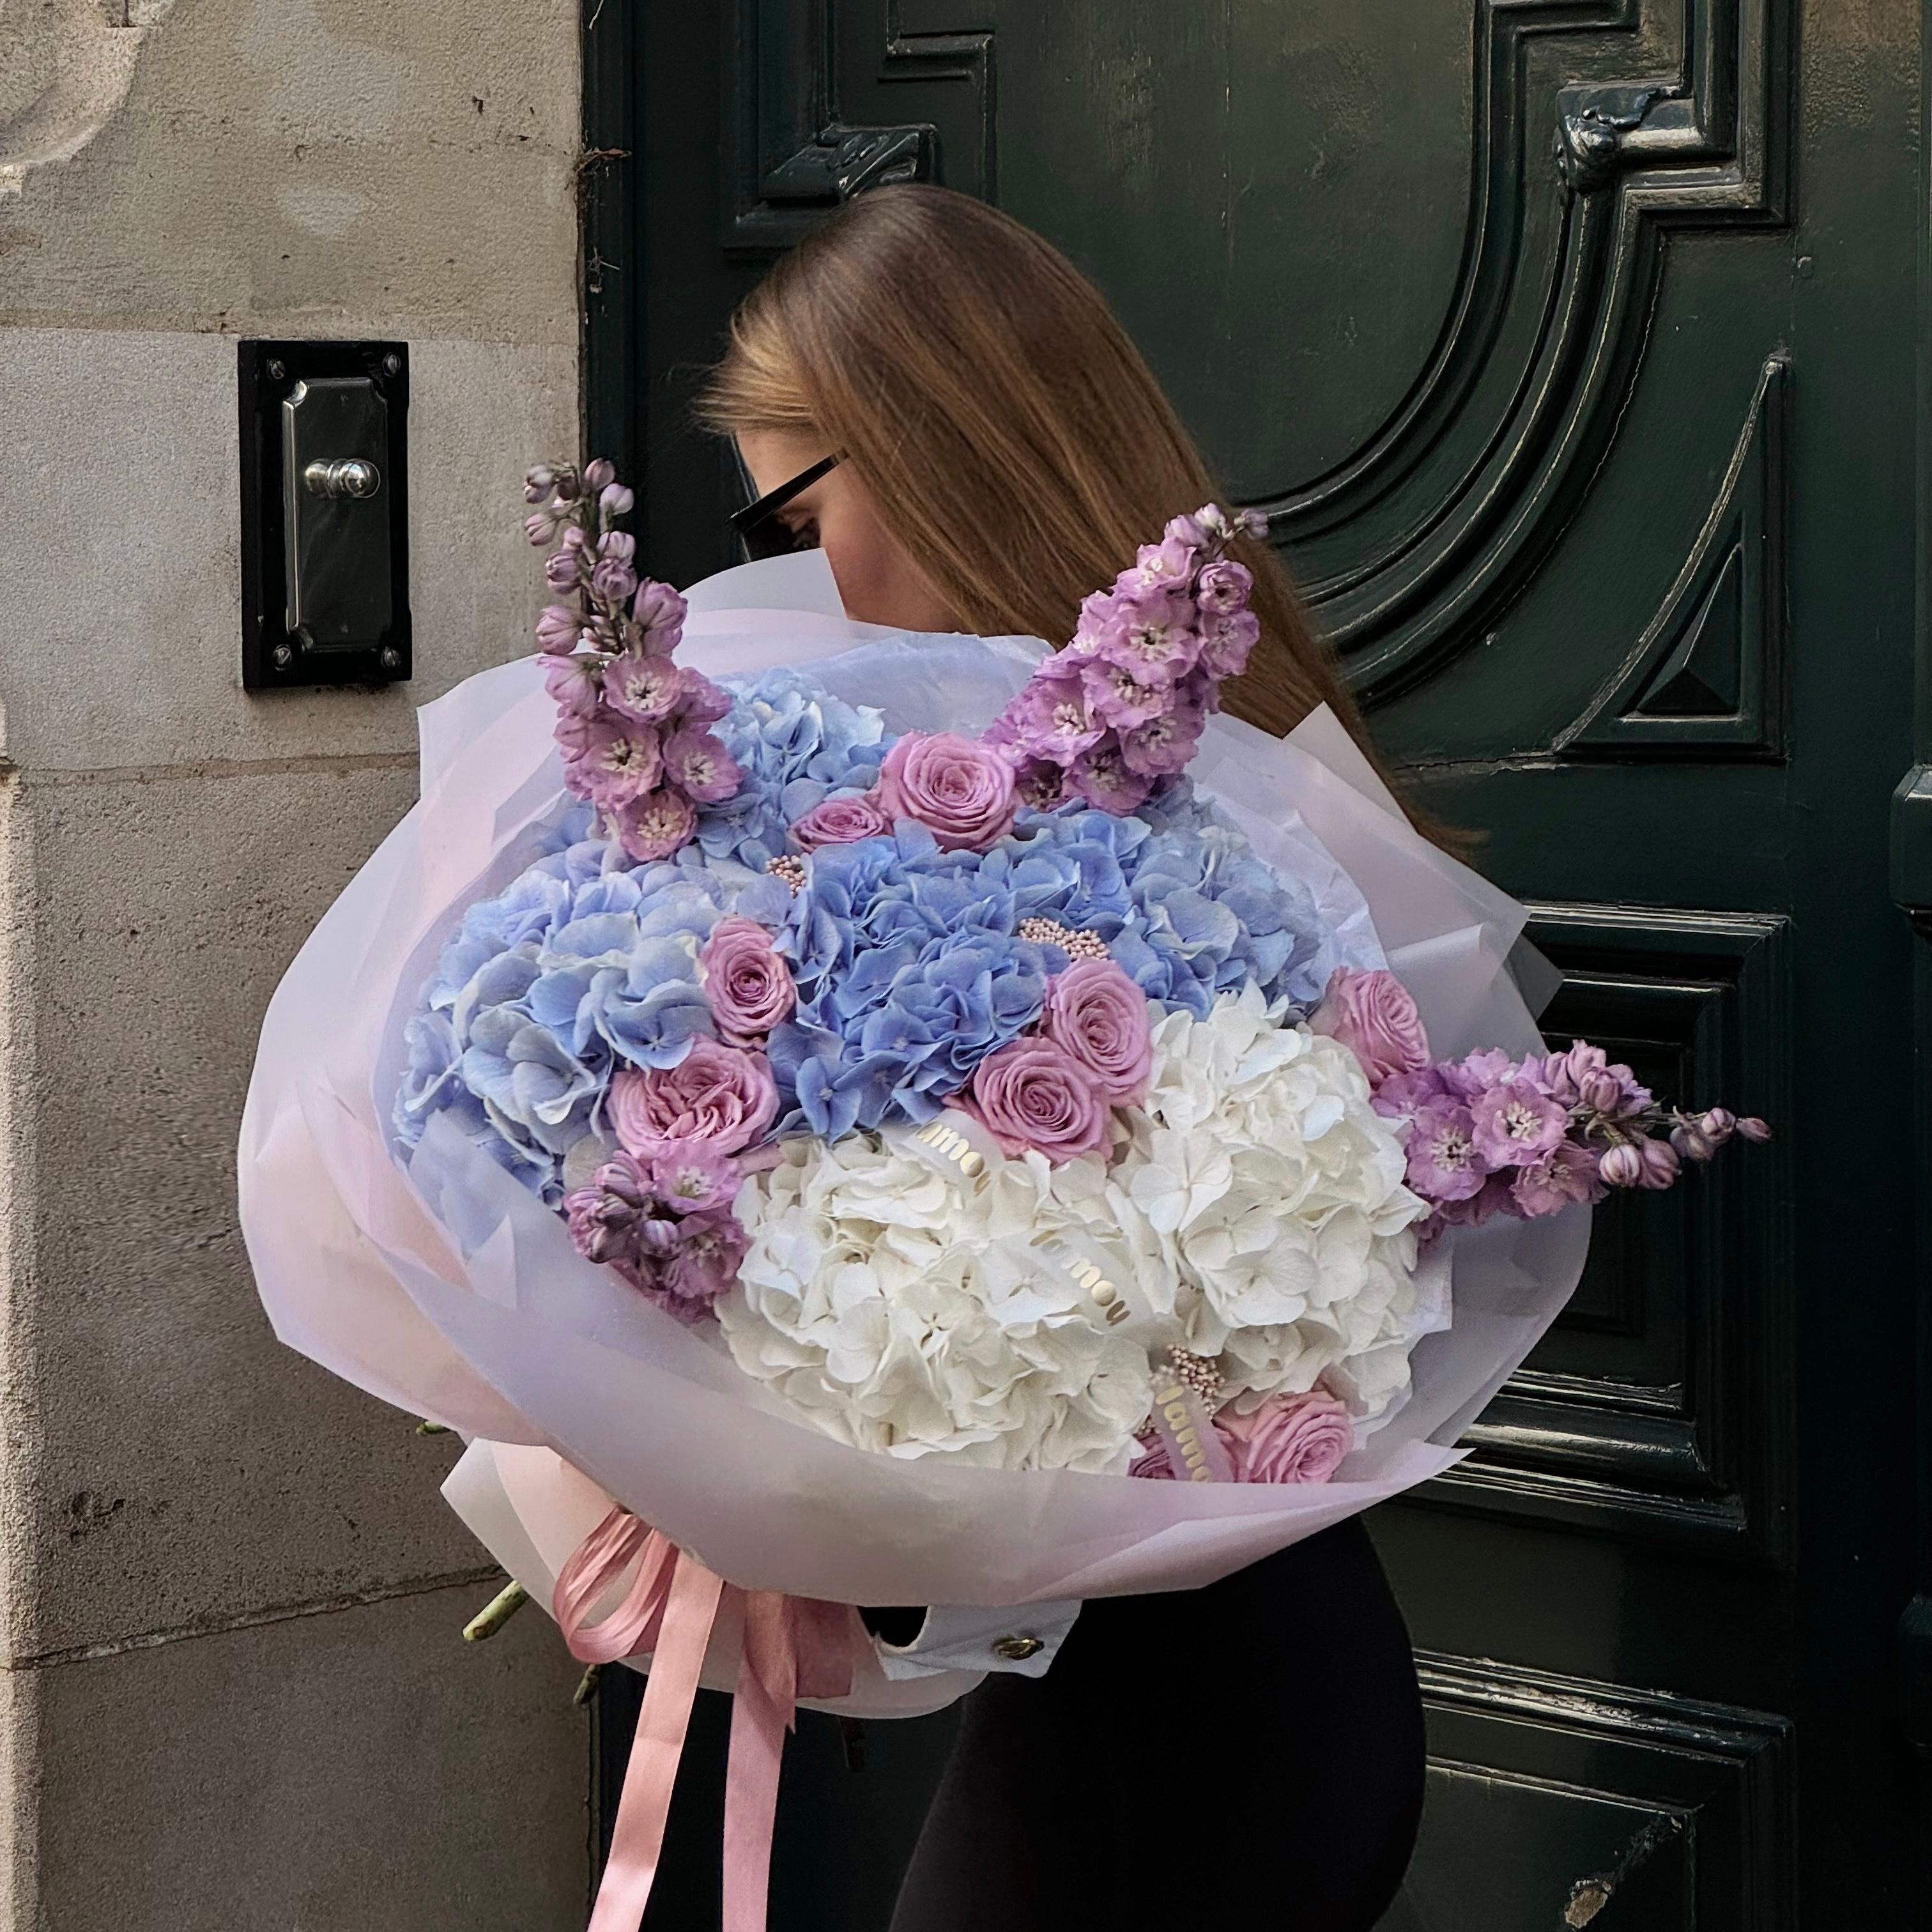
(970, 1638)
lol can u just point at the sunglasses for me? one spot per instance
(758, 526)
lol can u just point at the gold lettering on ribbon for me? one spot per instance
(953, 1146)
(1105, 1295)
(1173, 1405)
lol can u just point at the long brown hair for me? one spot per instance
(1014, 440)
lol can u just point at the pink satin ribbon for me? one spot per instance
(790, 1647)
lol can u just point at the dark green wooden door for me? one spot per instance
(1573, 345)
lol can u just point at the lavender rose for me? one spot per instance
(1290, 1438)
(749, 987)
(960, 791)
(716, 1093)
(843, 820)
(1100, 1017)
(1033, 1093)
(1372, 1015)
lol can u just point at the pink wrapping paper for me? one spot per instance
(480, 1315)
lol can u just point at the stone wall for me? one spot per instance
(234, 1694)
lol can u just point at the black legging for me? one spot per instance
(1251, 1753)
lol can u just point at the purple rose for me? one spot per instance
(842, 820)
(749, 986)
(1033, 1093)
(1222, 588)
(644, 689)
(962, 791)
(1566, 1174)
(655, 826)
(1100, 1017)
(1373, 1016)
(1515, 1125)
(716, 1093)
(696, 763)
(1292, 1439)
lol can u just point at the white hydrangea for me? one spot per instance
(1258, 1156)
(1253, 1209)
(892, 1308)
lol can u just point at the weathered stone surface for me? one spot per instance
(237, 1697)
(362, 1771)
(178, 1464)
(316, 167)
(120, 581)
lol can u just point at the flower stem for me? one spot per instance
(496, 1613)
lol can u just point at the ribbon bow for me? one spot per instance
(789, 1648)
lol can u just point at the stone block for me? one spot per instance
(364, 1771)
(309, 166)
(169, 1463)
(120, 583)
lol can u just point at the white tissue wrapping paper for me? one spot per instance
(450, 1292)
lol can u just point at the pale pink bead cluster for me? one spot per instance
(1082, 942)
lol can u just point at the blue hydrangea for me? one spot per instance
(796, 746)
(1187, 910)
(910, 971)
(908, 960)
(581, 964)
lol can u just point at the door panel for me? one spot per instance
(1570, 346)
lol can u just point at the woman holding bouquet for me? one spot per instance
(934, 395)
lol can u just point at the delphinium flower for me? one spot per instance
(634, 725)
(1490, 1134)
(664, 1224)
(1121, 709)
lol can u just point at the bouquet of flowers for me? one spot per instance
(909, 1120)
